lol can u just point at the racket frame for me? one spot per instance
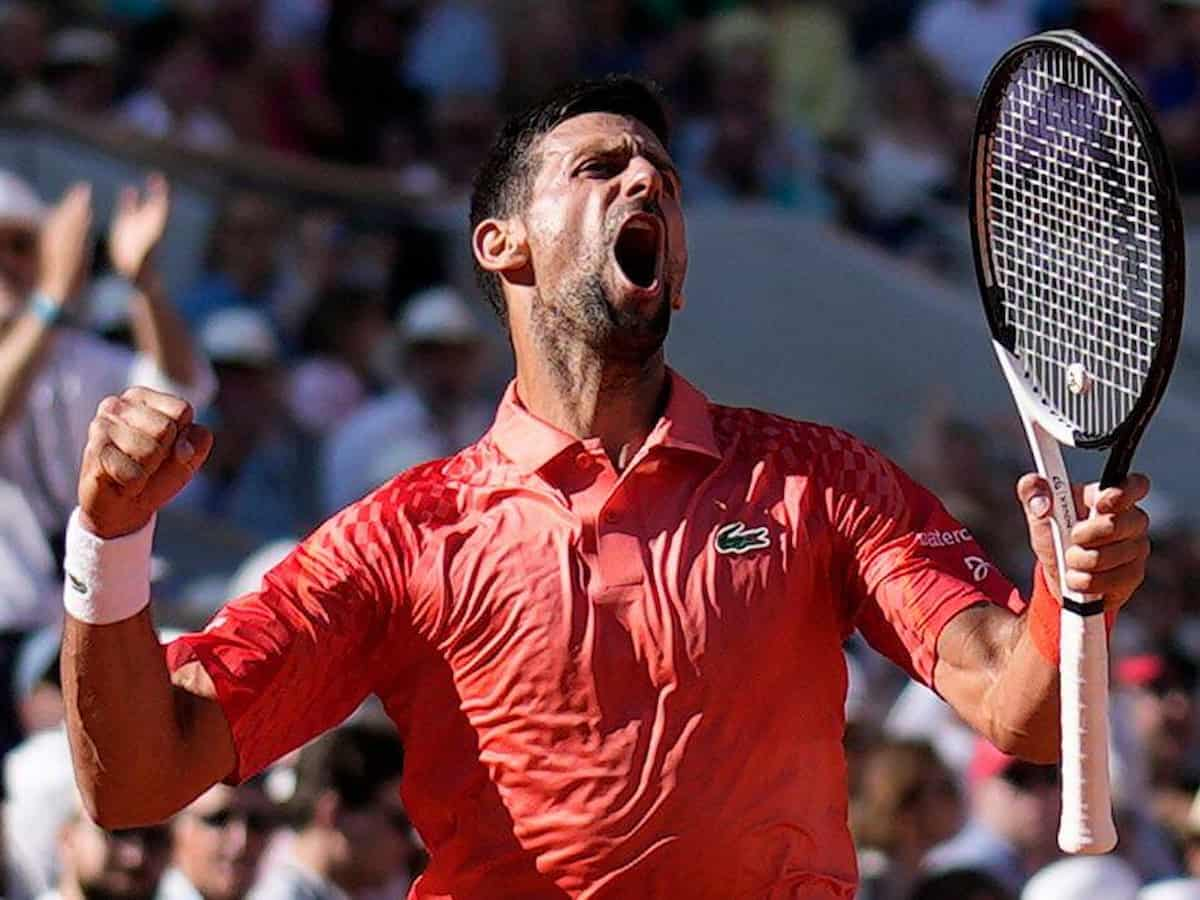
(1087, 823)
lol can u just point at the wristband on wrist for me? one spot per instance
(44, 309)
(1045, 618)
(107, 580)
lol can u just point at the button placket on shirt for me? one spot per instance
(613, 544)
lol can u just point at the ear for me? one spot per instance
(500, 245)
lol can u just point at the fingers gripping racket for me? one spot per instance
(1079, 252)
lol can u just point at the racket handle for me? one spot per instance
(1087, 821)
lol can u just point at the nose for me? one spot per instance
(643, 181)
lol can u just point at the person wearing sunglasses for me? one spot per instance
(219, 841)
(352, 837)
(115, 865)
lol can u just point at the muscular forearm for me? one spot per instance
(160, 332)
(21, 348)
(143, 747)
(991, 671)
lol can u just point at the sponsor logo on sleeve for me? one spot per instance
(979, 567)
(944, 538)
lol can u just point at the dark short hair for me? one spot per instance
(960, 884)
(353, 761)
(505, 179)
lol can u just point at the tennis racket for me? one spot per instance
(1079, 253)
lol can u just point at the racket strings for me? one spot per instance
(1075, 239)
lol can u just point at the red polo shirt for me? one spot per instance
(609, 684)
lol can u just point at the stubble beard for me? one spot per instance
(582, 318)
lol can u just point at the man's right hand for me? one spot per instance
(142, 449)
(63, 246)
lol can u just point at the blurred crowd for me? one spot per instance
(328, 354)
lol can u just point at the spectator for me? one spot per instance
(1172, 889)
(23, 29)
(352, 835)
(907, 802)
(30, 586)
(52, 376)
(259, 473)
(218, 843)
(613, 33)
(40, 800)
(1084, 878)
(966, 37)
(1172, 79)
(811, 62)
(741, 153)
(242, 269)
(908, 162)
(114, 865)
(339, 344)
(1158, 691)
(434, 413)
(37, 683)
(1013, 828)
(364, 40)
(960, 884)
(177, 99)
(81, 71)
(448, 32)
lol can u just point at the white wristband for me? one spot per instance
(106, 580)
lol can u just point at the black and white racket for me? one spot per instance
(1079, 252)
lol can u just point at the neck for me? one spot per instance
(590, 397)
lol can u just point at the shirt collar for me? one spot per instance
(531, 442)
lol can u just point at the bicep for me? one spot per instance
(971, 649)
(993, 676)
(211, 756)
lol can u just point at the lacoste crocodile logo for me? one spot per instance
(76, 583)
(736, 538)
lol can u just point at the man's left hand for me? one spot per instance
(1107, 549)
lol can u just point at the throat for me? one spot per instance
(615, 405)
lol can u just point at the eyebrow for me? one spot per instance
(658, 158)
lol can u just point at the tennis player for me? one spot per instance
(610, 631)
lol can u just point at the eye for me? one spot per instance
(600, 168)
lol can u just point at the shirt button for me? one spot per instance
(611, 517)
(583, 460)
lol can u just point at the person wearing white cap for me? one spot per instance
(1084, 878)
(433, 414)
(1172, 889)
(53, 376)
(260, 480)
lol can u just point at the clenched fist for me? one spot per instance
(142, 448)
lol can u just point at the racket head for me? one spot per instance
(1078, 241)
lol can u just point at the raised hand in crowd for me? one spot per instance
(137, 227)
(64, 245)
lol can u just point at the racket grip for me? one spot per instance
(1087, 820)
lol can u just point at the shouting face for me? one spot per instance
(605, 238)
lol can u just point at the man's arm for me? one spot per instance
(151, 729)
(158, 330)
(63, 252)
(995, 668)
(143, 745)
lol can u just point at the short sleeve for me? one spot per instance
(299, 655)
(910, 566)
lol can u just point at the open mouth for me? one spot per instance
(638, 249)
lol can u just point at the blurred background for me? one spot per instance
(319, 155)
